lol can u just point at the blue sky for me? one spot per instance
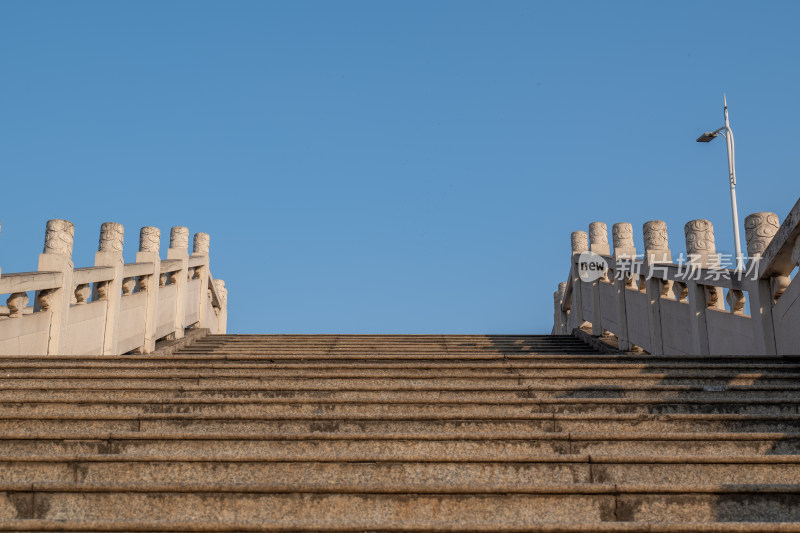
(389, 167)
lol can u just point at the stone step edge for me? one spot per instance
(326, 347)
(419, 459)
(48, 384)
(388, 417)
(452, 344)
(191, 336)
(377, 402)
(197, 526)
(395, 344)
(391, 335)
(432, 374)
(443, 347)
(509, 365)
(391, 340)
(409, 357)
(386, 339)
(355, 488)
(73, 436)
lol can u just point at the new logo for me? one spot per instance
(591, 266)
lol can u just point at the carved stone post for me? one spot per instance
(57, 257)
(179, 249)
(624, 253)
(109, 254)
(625, 250)
(562, 295)
(580, 243)
(656, 250)
(149, 246)
(700, 245)
(598, 239)
(680, 291)
(701, 252)
(559, 316)
(222, 295)
(622, 233)
(201, 247)
(759, 229)
(656, 242)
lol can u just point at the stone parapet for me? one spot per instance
(111, 308)
(692, 302)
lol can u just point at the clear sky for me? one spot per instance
(389, 167)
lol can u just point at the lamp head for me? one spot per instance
(707, 137)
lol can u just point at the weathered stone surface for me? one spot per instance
(202, 242)
(149, 239)
(58, 237)
(760, 228)
(598, 238)
(352, 433)
(623, 235)
(112, 236)
(179, 238)
(579, 241)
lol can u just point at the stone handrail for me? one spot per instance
(112, 307)
(694, 305)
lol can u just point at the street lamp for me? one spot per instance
(726, 132)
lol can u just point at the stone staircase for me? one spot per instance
(399, 433)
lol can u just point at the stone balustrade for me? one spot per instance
(692, 305)
(112, 307)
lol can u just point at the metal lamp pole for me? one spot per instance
(726, 132)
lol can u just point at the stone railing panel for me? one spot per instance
(192, 302)
(133, 311)
(729, 334)
(786, 317)
(27, 334)
(86, 326)
(165, 323)
(675, 317)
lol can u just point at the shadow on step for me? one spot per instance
(735, 405)
(752, 399)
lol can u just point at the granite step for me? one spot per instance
(354, 508)
(44, 404)
(373, 474)
(591, 358)
(404, 423)
(159, 392)
(422, 433)
(356, 351)
(125, 364)
(377, 345)
(631, 376)
(172, 526)
(411, 446)
(398, 383)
